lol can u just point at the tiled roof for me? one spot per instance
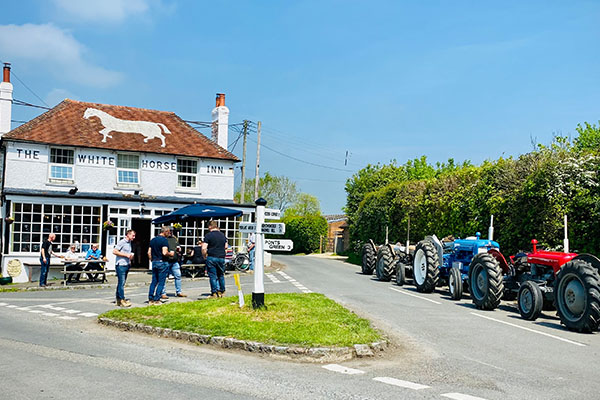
(335, 217)
(65, 125)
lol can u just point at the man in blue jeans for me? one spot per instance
(124, 255)
(213, 249)
(159, 252)
(45, 255)
(174, 267)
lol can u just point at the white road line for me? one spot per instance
(67, 317)
(72, 311)
(343, 370)
(3, 304)
(46, 306)
(57, 308)
(49, 314)
(401, 383)
(88, 314)
(414, 295)
(460, 396)
(530, 330)
(36, 311)
(11, 306)
(272, 278)
(307, 291)
(23, 308)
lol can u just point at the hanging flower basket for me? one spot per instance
(9, 220)
(108, 226)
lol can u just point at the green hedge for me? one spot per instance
(528, 196)
(305, 231)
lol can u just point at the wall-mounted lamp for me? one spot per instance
(142, 207)
(73, 191)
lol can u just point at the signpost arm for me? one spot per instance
(258, 295)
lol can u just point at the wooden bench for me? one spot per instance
(66, 264)
(193, 269)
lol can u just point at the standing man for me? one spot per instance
(45, 255)
(124, 256)
(251, 249)
(158, 252)
(213, 250)
(174, 267)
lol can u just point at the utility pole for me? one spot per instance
(243, 188)
(256, 179)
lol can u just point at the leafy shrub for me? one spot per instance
(305, 232)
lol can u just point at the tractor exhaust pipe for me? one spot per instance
(386, 235)
(566, 239)
(491, 228)
(408, 235)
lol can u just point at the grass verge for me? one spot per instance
(289, 319)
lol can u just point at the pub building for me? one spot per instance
(81, 167)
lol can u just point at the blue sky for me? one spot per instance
(383, 80)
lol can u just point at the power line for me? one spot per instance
(26, 104)
(304, 161)
(27, 87)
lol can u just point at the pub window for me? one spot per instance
(128, 169)
(61, 164)
(79, 225)
(187, 171)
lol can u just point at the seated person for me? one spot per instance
(196, 256)
(93, 254)
(72, 256)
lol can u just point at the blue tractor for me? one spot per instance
(458, 262)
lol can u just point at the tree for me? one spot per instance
(589, 137)
(305, 205)
(278, 191)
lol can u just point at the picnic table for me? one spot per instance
(80, 264)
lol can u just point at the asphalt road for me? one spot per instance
(52, 347)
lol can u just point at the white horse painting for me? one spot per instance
(149, 130)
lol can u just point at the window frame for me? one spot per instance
(52, 164)
(190, 174)
(137, 170)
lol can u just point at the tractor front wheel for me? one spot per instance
(455, 284)
(386, 263)
(400, 274)
(425, 267)
(530, 301)
(485, 281)
(368, 259)
(577, 296)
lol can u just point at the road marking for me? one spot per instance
(57, 308)
(3, 304)
(401, 383)
(88, 314)
(530, 330)
(67, 317)
(414, 295)
(49, 314)
(36, 311)
(23, 308)
(11, 306)
(272, 278)
(72, 311)
(294, 282)
(343, 370)
(460, 396)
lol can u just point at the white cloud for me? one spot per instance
(57, 95)
(102, 10)
(55, 49)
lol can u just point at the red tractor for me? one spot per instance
(567, 282)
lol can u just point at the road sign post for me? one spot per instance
(258, 296)
(279, 244)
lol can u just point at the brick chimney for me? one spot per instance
(6, 91)
(220, 122)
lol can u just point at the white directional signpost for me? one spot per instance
(279, 244)
(260, 228)
(271, 213)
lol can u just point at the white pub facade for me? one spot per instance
(80, 165)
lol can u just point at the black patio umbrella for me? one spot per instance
(196, 211)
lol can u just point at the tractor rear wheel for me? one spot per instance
(386, 263)
(368, 259)
(485, 281)
(455, 284)
(530, 300)
(577, 296)
(400, 274)
(425, 267)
